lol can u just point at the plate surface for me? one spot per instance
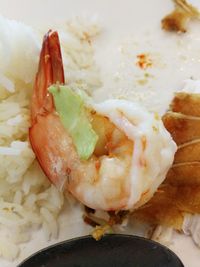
(137, 23)
(110, 251)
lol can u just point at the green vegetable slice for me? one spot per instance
(70, 108)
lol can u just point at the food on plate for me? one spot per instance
(28, 200)
(29, 203)
(179, 194)
(110, 156)
(177, 20)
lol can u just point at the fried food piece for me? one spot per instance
(180, 192)
(161, 209)
(183, 128)
(169, 205)
(177, 20)
(188, 152)
(184, 174)
(187, 104)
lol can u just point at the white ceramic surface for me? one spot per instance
(132, 25)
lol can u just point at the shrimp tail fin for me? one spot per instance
(50, 71)
(46, 129)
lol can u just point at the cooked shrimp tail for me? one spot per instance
(50, 71)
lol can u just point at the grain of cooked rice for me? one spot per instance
(27, 199)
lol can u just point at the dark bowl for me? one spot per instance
(110, 251)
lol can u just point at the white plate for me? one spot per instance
(136, 25)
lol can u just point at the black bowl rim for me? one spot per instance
(128, 236)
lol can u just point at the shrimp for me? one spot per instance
(130, 159)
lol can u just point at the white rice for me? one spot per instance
(27, 199)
